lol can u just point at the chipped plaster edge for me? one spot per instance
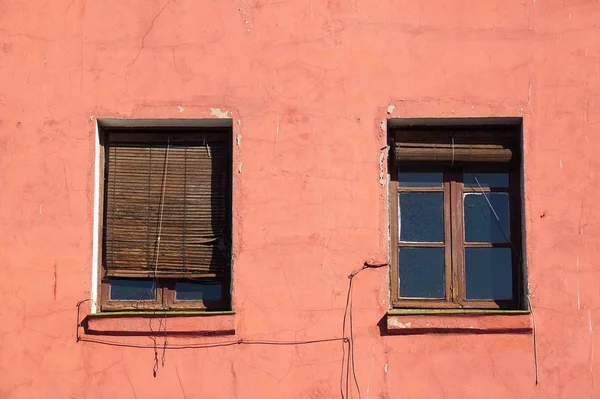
(96, 216)
(382, 179)
(219, 113)
(392, 322)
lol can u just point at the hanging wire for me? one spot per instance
(497, 220)
(154, 348)
(78, 306)
(162, 322)
(164, 353)
(351, 364)
(155, 367)
(216, 344)
(241, 341)
(348, 358)
(162, 207)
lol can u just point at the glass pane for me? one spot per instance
(485, 179)
(421, 217)
(192, 291)
(421, 272)
(488, 273)
(420, 179)
(123, 289)
(487, 221)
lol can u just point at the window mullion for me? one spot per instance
(449, 278)
(166, 290)
(394, 283)
(515, 237)
(458, 265)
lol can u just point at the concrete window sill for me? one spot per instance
(154, 323)
(407, 322)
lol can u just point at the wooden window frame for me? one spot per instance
(454, 244)
(165, 298)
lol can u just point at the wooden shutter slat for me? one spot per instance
(459, 144)
(194, 209)
(411, 152)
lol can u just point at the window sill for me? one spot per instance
(154, 323)
(458, 321)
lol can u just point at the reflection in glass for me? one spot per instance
(487, 217)
(198, 291)
(421, 217)
(485, 179)
(124, 289)
(488, 273)
(421, 272)
(420, 179)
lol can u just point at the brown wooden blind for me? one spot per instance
(457, 146)
(166, 207)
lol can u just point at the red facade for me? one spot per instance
(308, 88)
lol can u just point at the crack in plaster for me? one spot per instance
(370, 372)
(437, 380)
(148, 32)
(131, 385)
(180, 384)
(142, 46)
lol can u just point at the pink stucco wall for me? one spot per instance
(307, 84)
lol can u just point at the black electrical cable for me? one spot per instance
(350, 363)
(348, 359)
(215, 344)
(352, 343)
(78, 316)
(344, 363)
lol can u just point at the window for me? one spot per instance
(166, 219)
(456, 217)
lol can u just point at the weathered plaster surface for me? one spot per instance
(309, 84)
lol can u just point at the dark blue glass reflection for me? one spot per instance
(486, 179)
(420, 179)
(198, 291)
(488, 273)
(421, 272)
(421, 217)
(125, 289)
(487, 217)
